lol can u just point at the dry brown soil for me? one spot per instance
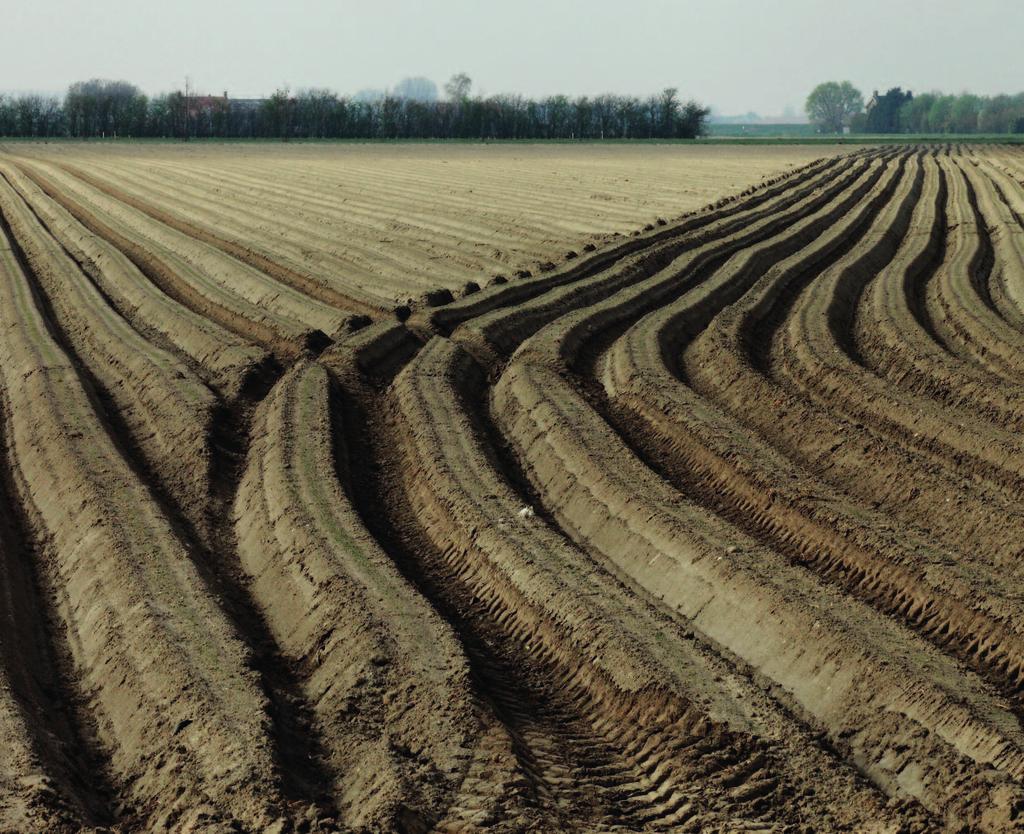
(712, 525)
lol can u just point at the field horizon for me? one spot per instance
(720, 139)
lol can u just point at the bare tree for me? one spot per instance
(669, 106)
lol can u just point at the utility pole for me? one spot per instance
(188, 81)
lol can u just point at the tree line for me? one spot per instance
(897, 111)
(111, 109)
(835, 106)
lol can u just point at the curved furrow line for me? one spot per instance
(982, 265)
(1012, 161)
(498, 785)
(791, 223)
(146, 394)
(305, 284)
(160, 407)
(1012, 166)
(217, 355)
(1006, 279)
(1007, 189)
(712, 457)
(386, 682)
(608, 499)
(895, 335)
(956, 299)
(732, 217)
(177, 709)
(825, 651)
(638, 752)
(1008, 233)
(728, 364)
(543, 591)
(496, 334)
(648, 542)
(760, 202)
(186, 284)
(820, 356)
(767, 241)
(812, 355)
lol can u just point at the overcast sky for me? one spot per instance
(735, 55)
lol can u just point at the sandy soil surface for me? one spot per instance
(389, 222)
(712, 528)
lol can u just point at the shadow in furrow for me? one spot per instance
(762, 333)
(299, 750)
(38, 667)
(571, 778)
(209, 538)
(981, 269)
(922, 273)
(664, 245)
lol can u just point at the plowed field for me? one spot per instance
(712, 526)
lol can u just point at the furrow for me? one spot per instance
(821, 357)
(276, 301)
(300, 237)
(499, 783)
(51, 776)
(957, 297)
(166, 411)
(697, 563)
(445, 319)
(176, 707)
(588, 654)
(495, 335)
(215, 353)
(727, 364)
(306, 284)
(115, 362)
(177, 278)
(873, 690)
(1006, 236)
(341, 208)
(894, 332)
(1007, 188)
(710, 456)
(386, 683)
(714, 526)
(546, 595)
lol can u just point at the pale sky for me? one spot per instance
(734, 55)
